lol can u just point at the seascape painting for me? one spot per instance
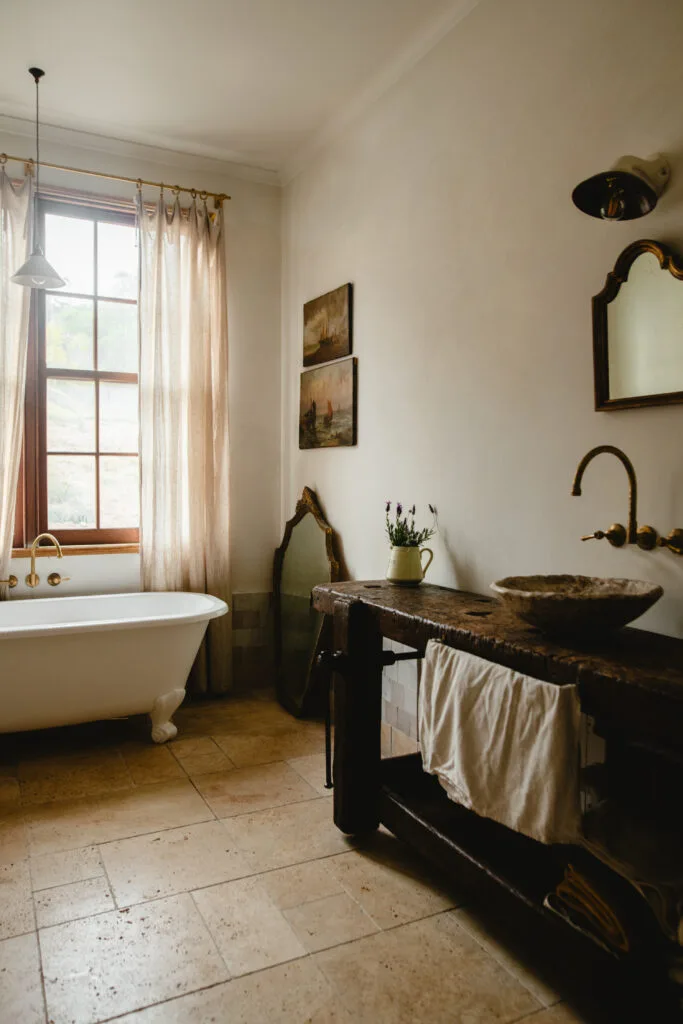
(327, 326)
(327, 406)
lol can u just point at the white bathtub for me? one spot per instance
(65, 660)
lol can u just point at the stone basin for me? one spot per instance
(576, 604)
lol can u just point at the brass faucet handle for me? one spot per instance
(646, 538)
(674, 542)
(616, 535)
(11, 582)
(54, 579)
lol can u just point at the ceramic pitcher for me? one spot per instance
(406, 567)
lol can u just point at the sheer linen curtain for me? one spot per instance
(15, 237)
(184, 455)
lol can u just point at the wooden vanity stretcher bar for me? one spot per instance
(631, 682)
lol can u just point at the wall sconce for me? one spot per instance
(628, 190)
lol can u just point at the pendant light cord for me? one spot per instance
(37, 74)
(37, 135)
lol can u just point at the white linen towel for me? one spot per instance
(502, 744)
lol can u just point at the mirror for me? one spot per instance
(306, 557)
(638, 329)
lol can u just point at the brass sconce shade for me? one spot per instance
(630, 189)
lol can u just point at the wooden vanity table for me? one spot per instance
(630, 682)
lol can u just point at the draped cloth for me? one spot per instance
(502, 744)
(184, 453)
(15, 238)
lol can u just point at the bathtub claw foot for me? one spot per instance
(163, 728)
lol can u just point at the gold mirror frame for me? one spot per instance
(311, 701)
(668, 260)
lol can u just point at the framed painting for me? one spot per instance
(328, 406)
(327, 326)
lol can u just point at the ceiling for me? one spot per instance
(249, 81)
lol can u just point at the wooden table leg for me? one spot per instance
(357, 716)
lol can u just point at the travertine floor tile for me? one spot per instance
(301, 883)
(293, 993)
(173, 861)
(243, 790)
(427, 972)
(69, 825)
(199, 755)
(263, 744)
(509, 954)
(62, 868)
(148, 763)
(70, 776)
(13, 837)
(249, 930)
(288, 835)
(69, 902)
(21, 990)
(16, 903)
(111, 964)
(329, 921)
(390, 882)
(312, 769)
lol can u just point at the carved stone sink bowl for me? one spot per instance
(576, 604)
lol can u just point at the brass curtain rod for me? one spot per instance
(202, 193)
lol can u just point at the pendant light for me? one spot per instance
(37, 272)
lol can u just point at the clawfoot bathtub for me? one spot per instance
(65, 660)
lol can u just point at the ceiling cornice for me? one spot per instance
(88, 141)
(385, 77)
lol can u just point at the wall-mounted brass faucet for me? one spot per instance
(54, 579)
(645, 536)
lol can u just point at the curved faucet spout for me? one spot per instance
(632, 482)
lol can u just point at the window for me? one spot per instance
(80, 472)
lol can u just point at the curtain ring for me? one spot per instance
(3, 159)
(193, 193)
(176, 190)
(138, 184)
(203, 195)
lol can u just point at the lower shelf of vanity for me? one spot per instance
(416, 809)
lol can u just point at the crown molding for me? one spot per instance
(380, 83)
(129, 149)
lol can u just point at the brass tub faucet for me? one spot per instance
(54, 579)
(617, 535)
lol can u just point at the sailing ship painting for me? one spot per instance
(327, 326)
(327, 406)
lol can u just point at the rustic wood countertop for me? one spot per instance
(632, 679)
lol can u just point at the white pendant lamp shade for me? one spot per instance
(37, 272)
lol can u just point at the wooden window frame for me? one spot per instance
(31, 509)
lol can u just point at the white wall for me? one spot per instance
(448, 206)
(253, 251)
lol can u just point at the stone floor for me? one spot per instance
(204, 881)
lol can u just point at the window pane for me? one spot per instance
(117, 261)
(70, 415)
(117, 337)
(69, 247)
(68, 332)
(118, 417)
(119, 492)
(71, 492)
